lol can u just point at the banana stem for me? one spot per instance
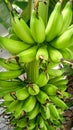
(68, 62)
(32, 71)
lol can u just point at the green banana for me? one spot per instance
(10, 74)
(37, 25)
(55, 72)
(33, 89)
(56, 79)
(64, 40)
(67, 16)
(32, 114)
(22, 30)
(53, 111)
(29, 104)
(9, 65)
(22, 123)
(42, 53)
(54, 54)
(55, 23)
(13, 46)
(42, 97)
(61, 82)
(58, 102)
(18, 111)
(12, 106)
(9, 84)
(27, 55)
(45, 112)
(43, 79)
(22, 93)
(50, 89)
(40, 122)
(31, 124)
(8, 97)
(67, 53)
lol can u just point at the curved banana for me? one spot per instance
(12, 106)
(32, 114)
(33, 89)
(37, 27)
(56, 79)
(67, 53)
(67, 16)
(22, 93)
(8, 97)
(58, 102)
(27, 55)
(50, 89)
(54, 54)
(9, 65)
(22, 123)
(53, 111)
(55, 23)
(42, 53)
(43, 79)
(9, 84)
(13, 46)
(42, 97)
(64, 40)
(45, 112)
(61, 82)
(18, 111)
(22, 30)
(55, 72)
(31, 124)
(29, 104)
(10, 74)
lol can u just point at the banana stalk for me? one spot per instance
(33, 70)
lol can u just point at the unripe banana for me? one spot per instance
(33, 89)
(42, 79)
(67, 16)
(32, 114)
(54, 54)
(28, 55)
(55, 23)
(29, 104)
(50, 89)
(67, 53)
(37, 27)
(61, 82)
(9, 65)
(18, 111)
(10, 74)
(13, 46)
(56, 79)
(42, 97)
(63, 41)
(22, 123)
(45, 112)
(42, 53)
(55, 72)
(58, 102)
(31, 124)
(13, 105)
(53, 111)
(22, 30)
(8, 97)
(22, 93)
(40, 122)
(9, 84)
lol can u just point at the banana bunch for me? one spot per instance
(33, 84)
